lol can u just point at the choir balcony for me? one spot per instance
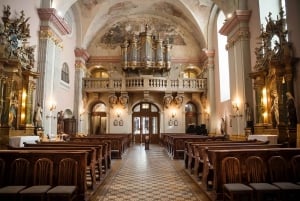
(144, 83)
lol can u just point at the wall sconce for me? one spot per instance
(52, 107)
(50, 116)
(118, 121)
(236, 109)
(173, 121)
(173, 114)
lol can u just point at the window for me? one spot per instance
(65, 73)
(223, 62)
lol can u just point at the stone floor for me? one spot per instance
(148, 175)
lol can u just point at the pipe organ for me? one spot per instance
(146, 54)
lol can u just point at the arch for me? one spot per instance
(98, 118)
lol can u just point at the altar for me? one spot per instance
(271, 138)
(17, 141)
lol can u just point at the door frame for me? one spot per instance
(154, 138)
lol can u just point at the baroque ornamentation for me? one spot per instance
(14, 34)
(170, 100)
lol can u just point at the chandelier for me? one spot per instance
(146, 54)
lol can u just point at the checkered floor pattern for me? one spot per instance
(148, 175)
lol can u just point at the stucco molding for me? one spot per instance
(50, 15)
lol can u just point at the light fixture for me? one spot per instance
(52, 107)
(236, 108)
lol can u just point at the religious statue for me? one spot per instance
(12, 117)
(291, 110)
(274, 109)
(223, 126)
(60, 122)
(37, 118)
(248, 115)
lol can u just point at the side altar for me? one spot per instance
(275, 111)
(17, 80)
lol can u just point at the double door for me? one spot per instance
(145, 126)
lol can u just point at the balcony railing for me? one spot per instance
(143, 83)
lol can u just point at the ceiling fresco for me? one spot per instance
(121, 30)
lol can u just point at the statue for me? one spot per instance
(37, 118)
(223, 126)
(168, 100)
(60, 122)
(248, 115)
(274, 109)
(123, 100)
(12, 117)
(291, 110)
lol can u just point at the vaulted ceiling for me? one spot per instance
(105, 22)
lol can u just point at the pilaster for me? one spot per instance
(211, 91)
(80, 67)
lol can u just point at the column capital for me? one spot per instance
(210, 53)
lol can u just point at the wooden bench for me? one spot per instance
(190, 148)
(103, 150)
(91, 157)
(215, 158)
(118, 143)
(54, 155)
(176, 143)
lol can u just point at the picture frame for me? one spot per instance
(170, 122)
(121, 123)
(116, 122)
(175, 123)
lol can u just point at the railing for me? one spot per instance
(143, 83)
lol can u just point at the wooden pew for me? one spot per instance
(204, 168)
(190, 147)
(215, 158)
(56, 156)
(102, 148)
(192, 151)
(176, 143)
(91, 157)
(118, 144)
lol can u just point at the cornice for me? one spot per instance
(81, 53)
(117, 59)
(50, 15)
(239, 16)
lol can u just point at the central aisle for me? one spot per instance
(147, 175)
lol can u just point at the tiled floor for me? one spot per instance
(148, 175)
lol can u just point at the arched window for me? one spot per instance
(65, 73)
(223, 61)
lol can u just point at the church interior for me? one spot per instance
(149, 100)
